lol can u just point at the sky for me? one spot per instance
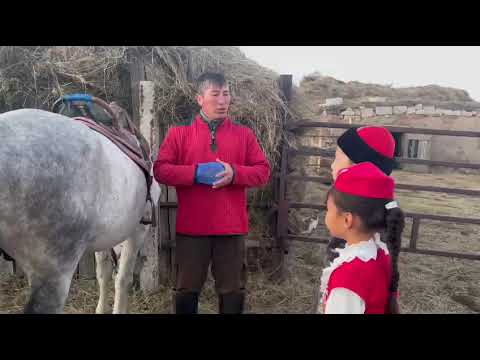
(399, 66)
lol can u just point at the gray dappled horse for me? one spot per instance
(65, 189)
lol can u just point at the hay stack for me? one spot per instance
(256, 100)
(37, 76)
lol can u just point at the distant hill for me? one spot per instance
(318, 88)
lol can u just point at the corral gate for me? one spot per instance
(282, 205)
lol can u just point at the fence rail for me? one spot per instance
(304, 123)
(328, 181)
(309, 151)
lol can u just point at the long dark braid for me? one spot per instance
(395, 222)
(375, 217)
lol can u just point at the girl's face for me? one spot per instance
(337, 221)
(341, 161)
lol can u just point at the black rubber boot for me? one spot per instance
(232, 303)
(186, 303)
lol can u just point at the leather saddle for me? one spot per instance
(113, 122)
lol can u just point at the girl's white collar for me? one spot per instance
(365, 251)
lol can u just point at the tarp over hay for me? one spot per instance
(37, 76)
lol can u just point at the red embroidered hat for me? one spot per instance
(365, 180)
(371, 143)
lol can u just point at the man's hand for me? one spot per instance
(225, 176)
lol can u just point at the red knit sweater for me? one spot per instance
(201, 209)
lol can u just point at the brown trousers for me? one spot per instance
(193, 255)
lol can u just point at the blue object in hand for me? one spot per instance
(78, 97)
(206, 172)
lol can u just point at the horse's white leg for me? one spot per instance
(124, 278)
(104, 269)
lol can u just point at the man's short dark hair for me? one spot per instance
(208, 79)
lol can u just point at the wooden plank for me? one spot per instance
(86, 266)
(414, 234)
(256, 204)
(281, 228)
(320, 240)
(165, 267)
(172, 214)
(172, 221)
(164, 229)
(300, 205)
(165, 253)
(285, 85)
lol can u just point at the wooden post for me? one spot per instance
(414, 235)
(165, 216)
(280, 232)
(137, 74)
(165, 261)
(149, 274)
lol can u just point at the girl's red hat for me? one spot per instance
(365, 180)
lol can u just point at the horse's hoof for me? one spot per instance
(100, 311)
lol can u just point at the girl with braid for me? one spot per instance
(373, 144)
(364, 276)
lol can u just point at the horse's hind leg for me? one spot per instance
(104, 269)
(124, 277)
(48, 292)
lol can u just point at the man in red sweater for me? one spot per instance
(211, 162)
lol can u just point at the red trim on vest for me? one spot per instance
(370, 280)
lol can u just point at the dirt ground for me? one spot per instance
(428, 284)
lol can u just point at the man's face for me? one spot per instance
(341, 161)
(214, 101)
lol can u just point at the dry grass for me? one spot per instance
(292, 296)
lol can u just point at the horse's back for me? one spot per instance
(44, 211)
(62, 180)
(43, 155)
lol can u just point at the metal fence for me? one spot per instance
(282, 178)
